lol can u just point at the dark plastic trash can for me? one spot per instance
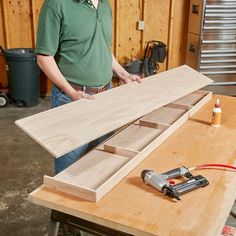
(23, 76)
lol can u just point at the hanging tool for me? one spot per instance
(163, 182)
(155, 52)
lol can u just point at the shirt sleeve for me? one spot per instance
(48, 34)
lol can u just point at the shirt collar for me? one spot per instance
(82, 1)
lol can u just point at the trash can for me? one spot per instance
(23, 76)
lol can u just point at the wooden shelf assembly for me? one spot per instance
(92, 176)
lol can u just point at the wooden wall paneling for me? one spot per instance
(45, 83)
(4, 80)
(113, 7)
(156, 18)
(170, 33)
(182, 30)
(142, 15)
(18, 24)
(35, 6)
(2, 27)
(5, 25)
(3, 74)
(185, 31)
(195, 16)
(176, 33)
(127, 36)
(192, 50)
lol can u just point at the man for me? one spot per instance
(74, 51)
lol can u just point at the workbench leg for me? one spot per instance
(53, 228)
(80, 227)
(82, 233)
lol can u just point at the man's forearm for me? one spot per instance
(125, 76)
(118, 69)
(48, 65)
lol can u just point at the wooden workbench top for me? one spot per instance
(138, 209)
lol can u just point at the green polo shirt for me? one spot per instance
(80, 36)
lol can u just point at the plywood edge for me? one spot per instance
(31, 197)
(18, 123)
(63, 186)
(120, 151)
(201, 92)
(207, 97)
(179, 106)
(154, 125)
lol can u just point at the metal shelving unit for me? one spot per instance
(212, 40)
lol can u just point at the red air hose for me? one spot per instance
(215, 165)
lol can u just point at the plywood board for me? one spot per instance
(62, 129)
(134, 137)
(87, 174)
(190, 99)
(92, 176)
(164, 116)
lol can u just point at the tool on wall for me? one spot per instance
(164, 183)
(155, 52)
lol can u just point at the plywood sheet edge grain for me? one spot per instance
(88, 194)
(63, 129)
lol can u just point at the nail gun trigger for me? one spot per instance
(171, 181)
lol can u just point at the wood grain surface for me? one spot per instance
(97, 172)
(65, 128)
(138, 209)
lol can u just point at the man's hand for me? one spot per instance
(48, 65)
(124, 76)
(76, 95)
(132, 78)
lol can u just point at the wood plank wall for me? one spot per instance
(164, 21)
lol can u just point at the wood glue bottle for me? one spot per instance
(216, 114)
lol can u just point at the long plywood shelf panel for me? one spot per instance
(65, 128)
(134, 138)
(96, 173)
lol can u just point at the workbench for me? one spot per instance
(137, 209)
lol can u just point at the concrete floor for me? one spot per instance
(23, 164)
